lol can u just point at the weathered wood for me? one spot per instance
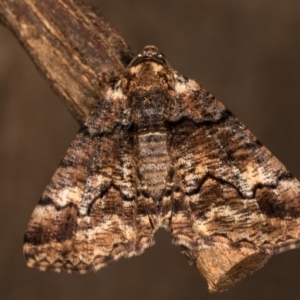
(72, 44)
(223, 267)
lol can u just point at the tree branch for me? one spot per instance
(72, 44)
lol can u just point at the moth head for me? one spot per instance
(149, 53)
(147, 73)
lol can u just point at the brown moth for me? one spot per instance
(160, 151)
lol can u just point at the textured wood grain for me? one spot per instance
(75, 48)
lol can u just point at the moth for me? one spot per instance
(161, 151)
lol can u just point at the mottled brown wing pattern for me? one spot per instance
(232, 194)
(89, 214)
(160, 151)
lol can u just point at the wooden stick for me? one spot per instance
(75, 48)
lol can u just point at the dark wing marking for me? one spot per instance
(233, 200)
(89, 213)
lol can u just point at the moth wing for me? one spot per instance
(234, 203)
(88, 215)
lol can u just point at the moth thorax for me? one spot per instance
(149, 75)
(149, 111)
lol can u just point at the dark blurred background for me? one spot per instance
(247, 53)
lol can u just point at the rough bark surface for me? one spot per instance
(78, 51)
